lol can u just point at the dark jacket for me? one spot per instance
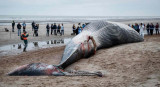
(148, 26)
(19, 26)
(36, 28)
(151, 26)
(47, 27)
(54, 26)
(13, 23)
(59, 27)
(33, 24)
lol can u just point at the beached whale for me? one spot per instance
(95, 36)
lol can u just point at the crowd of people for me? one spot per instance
(50, 29)
(150, 27)
(78, 29)
(57, 29)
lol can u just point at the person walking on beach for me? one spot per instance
(47, 27)
(24, 38)
(148, 28)
(74, 29)
(55, 29)
(151, 28)
(19, 28)
(141, 27)
(24, 26)
(62, 30)
(33, 25)
(36, 30)
(58, 29)
(157, 28)
(13, 24)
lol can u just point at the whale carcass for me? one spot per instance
(95, 36)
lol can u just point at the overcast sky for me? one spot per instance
(81, 7)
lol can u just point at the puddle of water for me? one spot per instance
(18, 48)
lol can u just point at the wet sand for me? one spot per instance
(13, 38)
(127, 65)
(134, 65)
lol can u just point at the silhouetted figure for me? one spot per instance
(36, 30)
(148, 28)
(58, 29)
(55, 29)
(13, 25)
(47, 28)
(157, 28)
(151, 28)
(33, 25)
(19, 28)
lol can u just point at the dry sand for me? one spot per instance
(127, 65)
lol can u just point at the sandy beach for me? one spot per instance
(127, 65)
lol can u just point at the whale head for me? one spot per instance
(71, 54)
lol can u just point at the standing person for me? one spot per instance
(129, 25)
(141, 27)
(58, 29)
(33, 25)
(151, 28)
(148, 28)
(74, 29)
(13, 24)
(47, 27)
(77, 30)
(157, 28)
(52, 27)
(24, 38)
(19, 28)
(132, 26)
(83, 26)
(55, 29)
(24, 26)
(62, 30)
(136, 27)
(36, 30)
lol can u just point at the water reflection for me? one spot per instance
(60, 41)
(51, 41)
(17, 48)
(47, 42)
(35, 44)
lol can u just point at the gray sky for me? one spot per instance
(81, 7)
